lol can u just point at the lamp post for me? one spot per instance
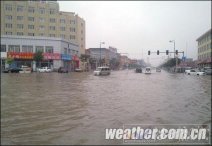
(100, 52)
(173, 41)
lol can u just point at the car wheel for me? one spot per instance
(197, 74)
(188, 73)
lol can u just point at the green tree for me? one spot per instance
(9, 61)
(38, 57)
(84, 58)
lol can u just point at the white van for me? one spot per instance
(104, 70)
(148, 70)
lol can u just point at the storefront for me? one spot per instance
(75, 61)
(49, 58)
(21, 58)
(66, 58)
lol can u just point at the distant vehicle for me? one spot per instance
(6, 70)
(104, 70)
(25, 69)
(158, 70)
(147, 70)
(194, 72)
(208, 71)
(45, 69)
(138, 70)
(15, 70)
(62, 70)
(78, 70)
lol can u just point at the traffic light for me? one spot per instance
(167, 52)
(158, 52)
(176, 52)
(148, 52)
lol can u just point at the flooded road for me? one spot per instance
(76, 108)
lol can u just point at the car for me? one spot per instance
(104, 70)
(208, 71)
(78, 70)
(158, 70)
(138, 70)
(148, 70)
(45, 69)
(194, 72)
(62, 70)
(15, 70)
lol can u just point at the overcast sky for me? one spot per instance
(138, 26)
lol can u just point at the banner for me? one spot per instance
(20, 55)
(51, 56)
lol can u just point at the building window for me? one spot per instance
(52, 11)
(41, 19)
(31, 18)
(52, 35)
(62, 36)
(41, 27)
(13, 48)
(20, 17)
(20, 26)
(8, 25)
(31, 34)
(8, 17)
(72, 37)
(8, 33)
(65, 50)
(31, 10)
(72, 29)
(42, 11)
(8, 7)
(20, 8)
(52, 20)
(20, 33)
(39, 48)
(27, 48)
(41, 34)
(62, 21)
(62, 28)
(81, 24)
(3, 48)
(81, 31)
(72, 22)
(52, 27)
(69, 51)
(30, 26)
(81, 39)
(49, 49)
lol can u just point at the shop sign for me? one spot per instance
(65, 57)
(51, 56)
(20, 55)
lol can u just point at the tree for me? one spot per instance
(9, 61)
(84, 58)
(38, 57)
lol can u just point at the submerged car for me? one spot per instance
(138, 70)
(62, 70)
(148, 70)
(45, 69)
(194, 72)
(102, 71)
(208, 71)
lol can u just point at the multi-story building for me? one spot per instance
(204, 49)
(42, 19)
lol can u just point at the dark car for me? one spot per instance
(138, 70)
(15, 70)
(208, 71)
(62, 70)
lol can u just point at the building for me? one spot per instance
(204, 49)
(56, 51)
(42, 19)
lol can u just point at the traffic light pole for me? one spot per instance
(167, 52)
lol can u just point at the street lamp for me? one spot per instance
(101, 51)
(173, 41)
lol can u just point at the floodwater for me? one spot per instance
(76, 108)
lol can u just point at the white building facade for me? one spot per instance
(57, 52)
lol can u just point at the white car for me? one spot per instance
(45, 69)
(194, 72)
(102, 71)
(148, 70)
